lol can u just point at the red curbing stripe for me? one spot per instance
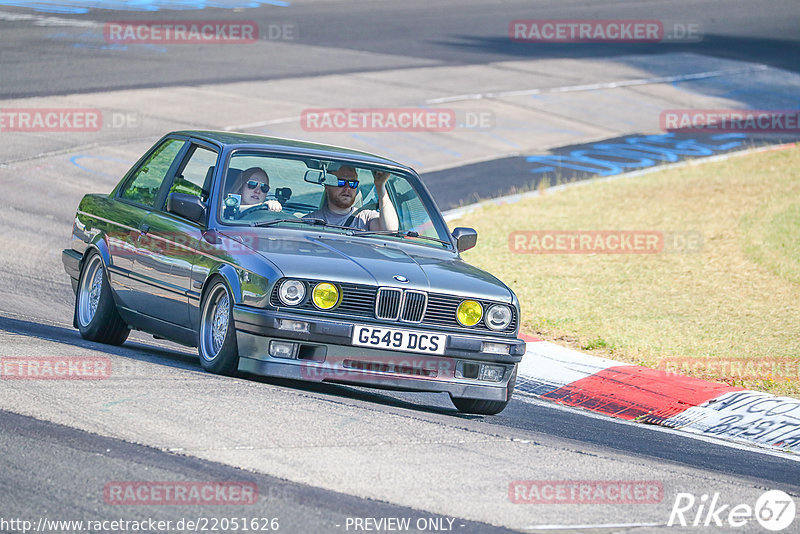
(529, 339)
(631, 391)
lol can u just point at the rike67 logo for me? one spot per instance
(774, 511)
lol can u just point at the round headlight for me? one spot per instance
(292, 292)
(498, 317)
(469, 313)
(325, 295)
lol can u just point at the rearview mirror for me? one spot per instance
(320, 178)
(188, 206)
(466, 238)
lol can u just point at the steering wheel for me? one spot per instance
(254, 209)
(353, 215)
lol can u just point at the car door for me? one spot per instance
(169, 242)
(133, 201)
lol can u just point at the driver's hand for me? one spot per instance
(273, 205)
(380, 178)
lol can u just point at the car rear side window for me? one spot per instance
(143, 186)
(195, 178)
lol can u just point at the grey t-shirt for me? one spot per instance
(360, 222)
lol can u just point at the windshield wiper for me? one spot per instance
(312, 222)
(350, 230)
(276, 221)
(398, 233)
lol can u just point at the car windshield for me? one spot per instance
(331, 195)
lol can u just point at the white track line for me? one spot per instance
(604, 85)
(609, 525)
(563, 89)
(259, 124)
(41, 20)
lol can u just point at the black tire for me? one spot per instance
(96, 314)
(216, 343)
(486, 407)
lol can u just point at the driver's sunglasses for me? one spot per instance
(252, 184)
(352, 183)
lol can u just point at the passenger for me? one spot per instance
(339, 209)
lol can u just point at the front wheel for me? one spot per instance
(219, 352)
(95, 311)
(486, 407)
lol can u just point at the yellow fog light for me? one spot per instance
(469, 313)
(325, 295)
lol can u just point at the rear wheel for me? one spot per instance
(217, 346)
(486, 407)
(95, 311)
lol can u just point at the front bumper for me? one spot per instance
(326, 354)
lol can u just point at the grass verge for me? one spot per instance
(720, 301)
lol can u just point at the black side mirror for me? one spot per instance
(466, 238)
(188, 206)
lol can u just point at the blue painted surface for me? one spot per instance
(74, 160)
(635, 152)
(83, 6)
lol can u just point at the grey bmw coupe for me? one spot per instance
(297, 260)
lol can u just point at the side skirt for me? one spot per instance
(159, 328)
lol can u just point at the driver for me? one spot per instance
(339, 207)
(253, 189)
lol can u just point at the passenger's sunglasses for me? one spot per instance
(352, 183)
(252, 184)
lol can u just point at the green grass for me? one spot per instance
(734, 297)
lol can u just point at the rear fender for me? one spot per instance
(101, 247)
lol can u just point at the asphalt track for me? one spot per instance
(319, 454)
(63, 457)
(59, 59)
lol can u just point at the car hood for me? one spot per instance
(378, 262)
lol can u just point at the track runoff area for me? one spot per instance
(630, 392)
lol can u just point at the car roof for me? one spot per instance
(234, 140)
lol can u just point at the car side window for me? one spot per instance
(144, 185)
(195, 178)
(410, 209)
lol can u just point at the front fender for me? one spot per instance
(231, 277)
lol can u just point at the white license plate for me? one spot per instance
(396, 339)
